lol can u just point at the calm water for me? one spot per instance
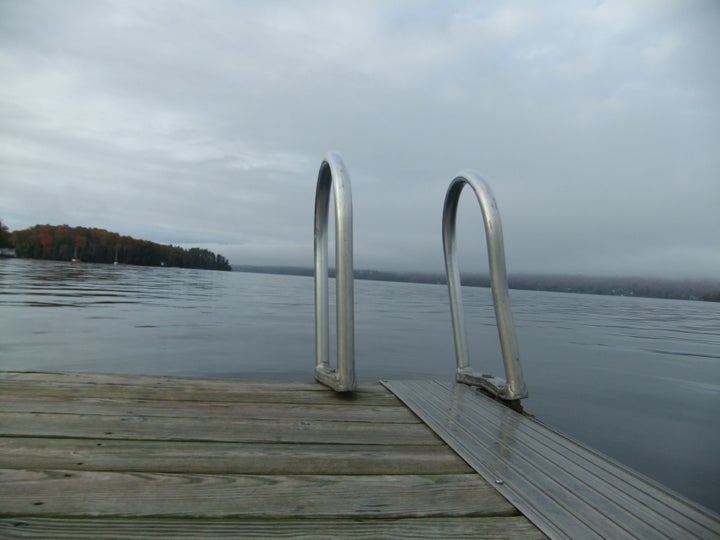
(638, 379)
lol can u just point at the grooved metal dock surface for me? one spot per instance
(567, 489)
(124, 455)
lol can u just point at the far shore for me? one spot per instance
(676, 289)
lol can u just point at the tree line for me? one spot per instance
(64, 243)
(5, 236)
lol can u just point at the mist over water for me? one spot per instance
(636, 378)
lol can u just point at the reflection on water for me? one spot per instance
(118, 318)
(639, 379)
(49, 283)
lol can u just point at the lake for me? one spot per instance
(636, 378)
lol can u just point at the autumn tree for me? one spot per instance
(5, 237)
(62, 243)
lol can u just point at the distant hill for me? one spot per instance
(64, 243)
(688, 289)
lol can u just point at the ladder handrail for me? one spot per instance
(513, 386)
(333, 174)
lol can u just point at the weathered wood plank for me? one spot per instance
(567, 497)
(510, 528)
(177, 393)
(76, 494)
(198, 409)
(243, 385)
(213, 429)
(226, 458)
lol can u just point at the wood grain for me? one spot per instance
(359, 412)
(75, 494)
(121, 456)
(243, 385)
(222, 458)
(166, 391)
(213, 429)
(511, 528)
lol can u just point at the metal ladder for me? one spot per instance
(513, 386)
(333, 174)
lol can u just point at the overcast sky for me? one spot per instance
(204, 123)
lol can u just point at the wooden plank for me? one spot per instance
(567, 493)
(220, 458)
(510, 528)
(219, 385)
(213, 429)
(458, 528)
(169, 392)
(227, 384)
(76, 494)
(198, 409)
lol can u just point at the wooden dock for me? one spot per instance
(87, 455)
(113, 456)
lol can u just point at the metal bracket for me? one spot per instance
(333, 174)
(513, 387)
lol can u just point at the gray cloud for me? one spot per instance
(204, 123)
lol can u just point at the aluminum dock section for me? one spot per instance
(564, 487)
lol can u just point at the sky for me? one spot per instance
(204, 123)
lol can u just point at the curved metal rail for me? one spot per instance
(513, 386)
(333, 174)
